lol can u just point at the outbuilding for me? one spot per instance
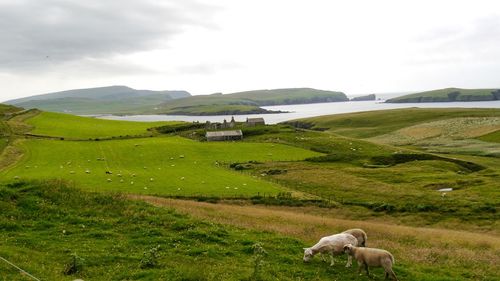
(255, 121)
(224, 135)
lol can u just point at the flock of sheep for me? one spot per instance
(353, 243)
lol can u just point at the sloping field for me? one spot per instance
(492, 137)
(61, 234)
(448, 129)
(449, 135)
(76, 127)
(420, 253)
(161, 165)
(374, 123)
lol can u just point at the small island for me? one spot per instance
(449, 95)
(364, 98)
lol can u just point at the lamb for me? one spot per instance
(359, 234)
(372, 257)
(333, 245)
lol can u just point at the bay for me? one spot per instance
(297, 111)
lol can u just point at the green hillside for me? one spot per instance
(113, 99)
(75, 127)
(372, 123)
(290, 96)
(449, 95)
(71, 197)
(246, 102)
(160, 165)
(125, 100)
(61, 233)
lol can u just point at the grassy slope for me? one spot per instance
(416, 250)
(442, 95)
(44, 224)
(252, 99)
(91, 106)
(195, 173)
(290, 96)
(406, 191)
(113, 99)
(76, 127)
(378, 192)
(5, 130)
(218, 109)
(492, 137)
(373, 123)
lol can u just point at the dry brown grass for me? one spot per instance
(17, 124)
(10, 155)
(450, 129)
(409, 244)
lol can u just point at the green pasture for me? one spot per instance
(373, 123)
(60, 233)
(407, 191)
(161, 165)
(76, 127)
(492, 137)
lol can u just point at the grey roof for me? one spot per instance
(235, 133)
(260, 119)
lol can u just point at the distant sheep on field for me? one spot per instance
(333, 245)
(359, 234)
(372, 257)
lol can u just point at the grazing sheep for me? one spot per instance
(359, 234)
(372, 257)
(109, 173)
(334, 245)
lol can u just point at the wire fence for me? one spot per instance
(22, 271)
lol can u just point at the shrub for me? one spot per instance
(258, 260)
(150, 257)
(75, 265)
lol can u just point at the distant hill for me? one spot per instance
(113, 99)
(449, 95)
(125, 100)
(364, 98)
(247, 102)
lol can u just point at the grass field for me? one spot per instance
(355, 168)
(76, 127)
(161, 165)
(45, 224)
(461, 255)
(374, 123)
(491, 137)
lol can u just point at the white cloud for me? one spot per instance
(358, 46)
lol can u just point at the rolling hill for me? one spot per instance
(247, 102)
(71, 190)
(449, 95)
(125, 100)
(112, 99)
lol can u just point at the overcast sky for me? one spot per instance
(233, 45)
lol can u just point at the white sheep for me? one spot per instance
(359, 234)
(372, 257)
(334, 245)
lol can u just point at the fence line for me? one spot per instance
(20, 269)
